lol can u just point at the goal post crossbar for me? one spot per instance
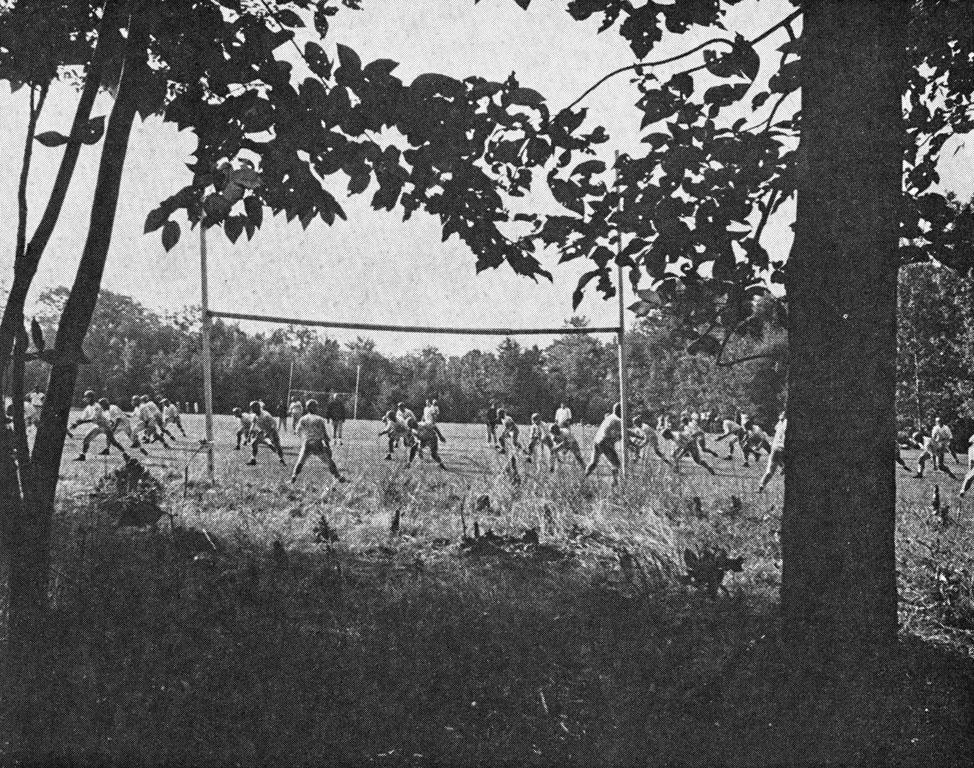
(415, 328)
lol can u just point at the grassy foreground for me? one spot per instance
(355, 625)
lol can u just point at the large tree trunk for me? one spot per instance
(31, 534)
(839, 581)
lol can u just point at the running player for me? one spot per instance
(685, 443)
(969, 477)
(692, 426)
(508, 430)
(929, 452)
(95, 414)
(424, 436)
(404, 414)
(119, 420)
(738, 435)
(296, 411)
(337, 415)
(431, 415)
(941, 438)
(263, 430)
(395, 430)
(490, 419)
(153, 409)
(170, 415)
(245, 421)
(777, 456)
(146, 422)
(313, 431)
(563, 441)
(643, 436)
(606, 436)
(538, 437)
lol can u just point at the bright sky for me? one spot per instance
(374, 268)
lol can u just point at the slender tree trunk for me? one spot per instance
(30, 544)
(839, 582)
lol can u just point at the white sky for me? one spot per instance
(374, 268)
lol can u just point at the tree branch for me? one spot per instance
(785, 22)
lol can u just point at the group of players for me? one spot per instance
(148, 422)
(642, 438)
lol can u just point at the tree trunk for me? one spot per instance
(31, 535)
(837, 534)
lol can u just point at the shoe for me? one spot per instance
(144, 451)
(293, 479)
(252, 463)
(919, 475)
(104, 452)
(80, 457)
(283, 463)
(746, 464)
(388, 457)
(237, 448)
(343, 479)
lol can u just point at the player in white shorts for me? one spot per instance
(509, 431)
(929, 452)
(563, 441)
(538, 438)
(296, 411)
(395, 431)
(313, 431)
(170, 415)
(643, 437)
(244, 423)
(777, 457)
(424, 436)
(264, 431)
(685, 443)
(969, 477)
(95, 414)
(606, 436)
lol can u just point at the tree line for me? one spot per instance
(135, 350)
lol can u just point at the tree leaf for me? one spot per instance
(93, 131)
(247, 178)
(170, 235)
(51, 138)
(154, 220)
(288, 18)
(682, 83)
(254, 207)
(359, 182)
(657, 105)
(233, 226)
(349, 60)
(380, 68)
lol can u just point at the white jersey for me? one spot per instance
(37, 400)
(115, 413)
(313, 428)
(610, 430)
(404, 415)
(153, 409)
(563, 416)
(144, 413)
(941, 436)
(170, 413)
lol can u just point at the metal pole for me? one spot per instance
(358, 373)
(207, 364)
(623, 375)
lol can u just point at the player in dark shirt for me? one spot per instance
(336, 414)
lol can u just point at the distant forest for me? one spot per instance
(134, 349)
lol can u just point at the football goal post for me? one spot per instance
(209, 314)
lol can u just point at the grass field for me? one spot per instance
(363, 624)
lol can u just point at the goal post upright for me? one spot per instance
(206, 356)
(621, 336)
